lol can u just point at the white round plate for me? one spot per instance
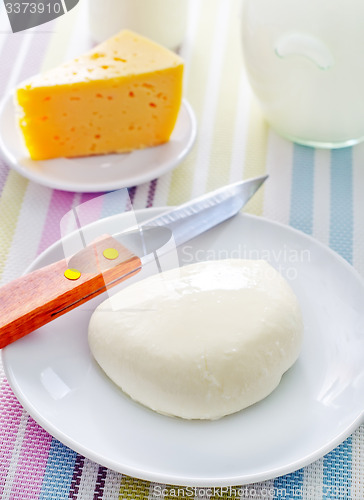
(96, 173)
(318, 403)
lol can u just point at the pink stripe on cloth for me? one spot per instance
(90, 208)
(61, 203)
(10, 416)
(32, 463)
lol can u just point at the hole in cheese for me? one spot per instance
(97, 55)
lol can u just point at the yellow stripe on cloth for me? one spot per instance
(195, 88)
(256, 155)
(133, 489)
(10, 205)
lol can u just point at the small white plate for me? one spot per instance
(96, 173)
(318, 403)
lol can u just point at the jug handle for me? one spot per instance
(306, 45)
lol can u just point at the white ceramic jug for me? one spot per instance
(305, 62)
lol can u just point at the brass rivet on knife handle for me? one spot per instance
(110, 253)
(33, 300)
(72, 274)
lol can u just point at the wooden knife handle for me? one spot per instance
(35, 299)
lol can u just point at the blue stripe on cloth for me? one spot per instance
(301, 213)
(59, 471)
(341, 214)
(289, 486)
(337, 473)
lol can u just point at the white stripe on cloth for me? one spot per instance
(262, 490)
(211, 98)
(64, 39)
(112, 485)
(19, 62)
(277, 199)
(321, 196)
(313, 480)
(241, 128)
(358, 202)
(80, 40)
(162, 190)
(5, 28)
(141, 195)
(156, 491)
(88, 480)
(357, 469)
(194, 12)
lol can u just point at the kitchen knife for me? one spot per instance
(43, 295)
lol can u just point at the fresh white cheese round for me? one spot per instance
(201, 341)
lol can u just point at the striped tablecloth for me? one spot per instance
(317, 191)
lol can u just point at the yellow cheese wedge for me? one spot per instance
(124, 94)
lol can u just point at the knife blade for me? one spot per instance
(43, 295)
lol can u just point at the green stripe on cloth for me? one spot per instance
(132, 489)
(256, 155)
(10, 205)
(195, 88)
